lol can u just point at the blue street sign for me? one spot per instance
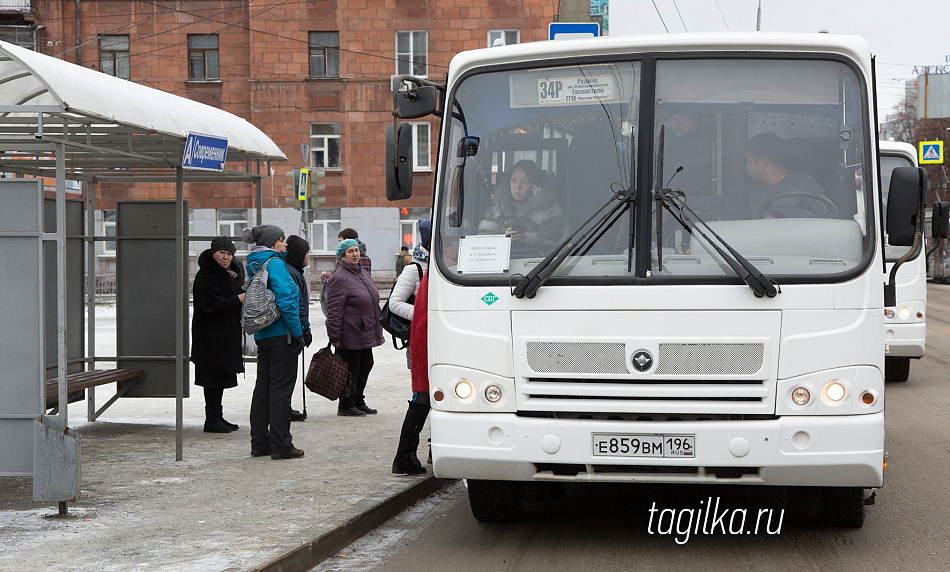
(205, 152)
(573, 30)
(930, 152)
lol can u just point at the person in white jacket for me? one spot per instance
(407, 283)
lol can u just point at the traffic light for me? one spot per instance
(294, 176)
(316, 188)
(304, 188)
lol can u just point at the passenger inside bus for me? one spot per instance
(525, 209)
(777, 190)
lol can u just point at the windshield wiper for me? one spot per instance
(760, 285)
(528, 285)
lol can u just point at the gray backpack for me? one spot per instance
(260, 305)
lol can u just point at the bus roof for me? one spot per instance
(853, 47)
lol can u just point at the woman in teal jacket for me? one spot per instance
(278, 346)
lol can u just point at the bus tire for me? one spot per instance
(896, 369)
(495, 501)
(842, 507)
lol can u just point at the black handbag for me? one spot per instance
(398, 326)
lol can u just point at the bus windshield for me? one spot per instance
(769, 155)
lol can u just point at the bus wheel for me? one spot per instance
(495, 501)
(896, 368)
(842, 507)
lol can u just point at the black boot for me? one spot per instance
(213, 421)
(232, 426)
(406, 462)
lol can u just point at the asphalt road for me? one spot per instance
(612, 528)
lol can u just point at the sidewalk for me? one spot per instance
(219, 509)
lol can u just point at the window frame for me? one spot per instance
(114, 57)
(503, 33)
(323, 148)
(230, 223)
(203, 54)
(406, 61)
(327, 223)
(106, 225)
(330, 54)
(417, 165)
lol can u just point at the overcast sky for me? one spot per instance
(902, 33)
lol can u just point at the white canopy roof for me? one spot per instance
(112, 129)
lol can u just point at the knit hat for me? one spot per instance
(343, 246)
(297, 249)
(264, 235)
(223, 243)
(425, 232)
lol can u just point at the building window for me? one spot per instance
(409, 225)
(420, 147)
(108, 229)
(232, 222)
(324, 54)
(503, 37)
(114, 55)
(324, 231)
(412, 53)
(325, 145)
(203, 57)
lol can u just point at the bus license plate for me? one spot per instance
(615, 445)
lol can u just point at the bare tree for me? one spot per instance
(905, 126)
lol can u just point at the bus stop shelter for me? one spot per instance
(63, 122)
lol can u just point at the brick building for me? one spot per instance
(306, 72)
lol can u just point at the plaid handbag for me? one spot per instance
(327, 374)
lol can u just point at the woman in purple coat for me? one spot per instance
(353, 325)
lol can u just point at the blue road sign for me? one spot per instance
(205, 152)
(573, 30)
(930, 152)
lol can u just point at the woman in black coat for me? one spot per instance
(216, 336)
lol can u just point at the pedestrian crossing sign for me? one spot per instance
(930, 152)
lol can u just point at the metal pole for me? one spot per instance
(758, 18)
(61, 282)
(179, 310)
(90, 249)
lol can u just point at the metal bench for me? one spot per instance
(77, 383)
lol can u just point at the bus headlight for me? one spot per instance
(904, 313)
(493, 393)
(834, 391)
(800, 396)
(464, 389)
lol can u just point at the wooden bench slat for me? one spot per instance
(86, 379)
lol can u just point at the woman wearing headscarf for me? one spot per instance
(278, 346)
(408, 286)
(353, 324)
(216, 337)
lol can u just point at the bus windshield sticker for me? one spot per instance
(573, 90)
(483, 254)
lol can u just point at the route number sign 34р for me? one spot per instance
(615, 445)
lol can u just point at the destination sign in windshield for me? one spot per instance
(575, 90)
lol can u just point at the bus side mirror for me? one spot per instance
(940, 220)
(399, 162)
(416, 102)
(907, 190)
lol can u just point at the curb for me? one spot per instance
(370, 514)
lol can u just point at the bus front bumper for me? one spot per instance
(839, 451)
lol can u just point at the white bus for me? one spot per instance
(669, 303)
(905, 326)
